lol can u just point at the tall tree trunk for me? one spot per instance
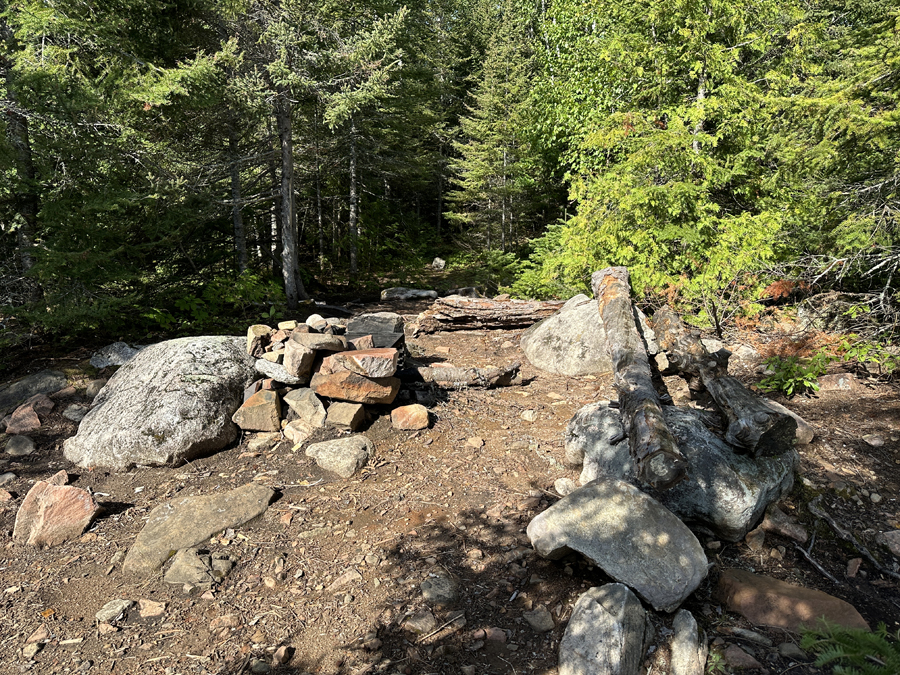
(27, 202)
(353, 222)
(440, 192)
(240, 236)
(319, 214)
(274, 222)
(293, 285)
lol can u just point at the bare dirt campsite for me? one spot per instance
(420, 562)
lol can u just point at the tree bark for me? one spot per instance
(353, 221)
(658, 461)
(27, 200)
(240, 236)
(753, 424)
(293, 285)
(462, 377)
(459, 313)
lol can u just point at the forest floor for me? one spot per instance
(453, 499)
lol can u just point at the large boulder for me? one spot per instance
(605, 634)
(725, 494)
(172, 402)
(627, 534)
(571, 342)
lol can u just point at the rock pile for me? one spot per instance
(325, 362)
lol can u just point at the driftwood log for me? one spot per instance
(657, 459)
(458, 313)
(461, 377)
(752, 424)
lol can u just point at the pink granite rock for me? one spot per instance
(51, 514)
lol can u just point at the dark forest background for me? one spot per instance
(174, 167)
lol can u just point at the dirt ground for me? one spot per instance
(453, 499)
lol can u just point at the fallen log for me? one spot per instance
(752, 424)
(458, 313)
(658, 461)
(461, 377)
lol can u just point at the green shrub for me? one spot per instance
(794, 375)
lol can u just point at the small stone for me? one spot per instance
(875, 497)
(7, 477)
(19, 446)
(23, 421)
(539, 619)
(29, 651)
(779, 522)
(282, 655)
(259, 666)
(343, 456)
(791, 651)
(853, 567)
(528, 415)
(410, 417)
(51, 513)
(420, 622)
(475, 442)
(149, 608)
(113, 610)
(874, 440)
(756, 539)
(495, 635)
(738, 658)
(439, 591)
(40, 635)
(106, 629)
(76, 412)
(346, 415)
(298, 431)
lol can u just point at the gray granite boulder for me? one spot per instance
(172, 402)
(725, 493)
(605, 635)
(629, 535)
(571, 342)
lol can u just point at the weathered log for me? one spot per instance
(752, 423)
(461, 377)
(458, 313)
(657, 459)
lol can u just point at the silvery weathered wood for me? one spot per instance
(656, 455)
(752, 424)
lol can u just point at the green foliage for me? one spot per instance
(853, 651)
(870, 352)
(491, 269)
(795, 375)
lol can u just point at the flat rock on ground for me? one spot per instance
(51, 514)
(188, 521)
(769, 602)
(343, 456)
(42, 382)
(172, 402)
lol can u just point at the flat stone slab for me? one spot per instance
(347, 386)
(367, 362)
(376, 322)
(629, 535)
(19, 446)
(764, 601)
(43, 382)
(172, 402)
(188, 521)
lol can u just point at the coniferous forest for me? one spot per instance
(168, 164)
